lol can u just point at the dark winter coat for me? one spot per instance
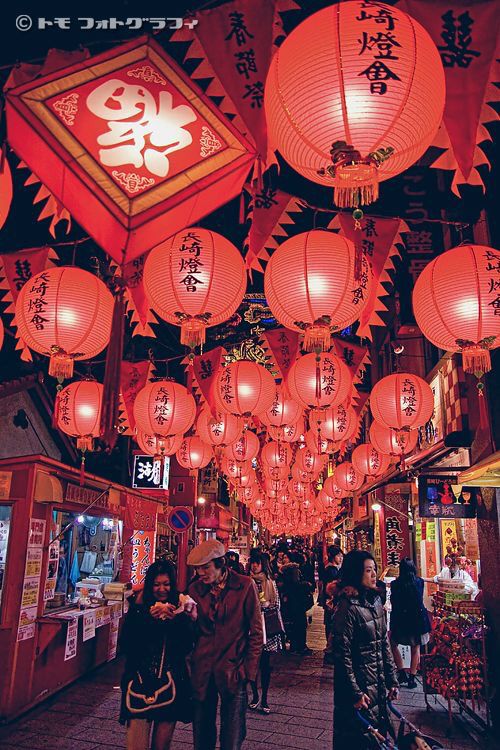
(141, 640)
(363, 663)
(409, 617)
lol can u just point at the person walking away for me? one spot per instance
(260, 572)
(410, 623)
(156, 638)
(296, 599)
(228, 647)
(364, 670)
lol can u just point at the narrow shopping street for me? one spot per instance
(84, 716)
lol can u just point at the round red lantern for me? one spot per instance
(319, 380)
(310, 285)
(332, 489)
(244, 388)
(274, 472)
(276, 454)
(369, 461)
(309, 461)
(318, 444)
(164, 408)
(289, 432)
(347, 478)
(159, 446)
(346, 114)
(235, 469)
(221, 429)
(402, 400)
(65, 313)
(392, 442)
(246, 480)
(301, 476)
(195, 279)
(283, 411)
(249, 493)
(336, 423)
(327, 503)
(455, 301)
(193, 453)
(2, 333)
(79, 412)
(245, 448)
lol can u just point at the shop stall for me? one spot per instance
(69, 554)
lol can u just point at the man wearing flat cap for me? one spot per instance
(228, 647)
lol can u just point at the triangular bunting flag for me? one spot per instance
(133, 377)
(53, 208)
(269, 212)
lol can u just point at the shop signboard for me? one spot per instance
(377, 541)
(31, 584)
(239, 542)
(52, 567)
(430, 531)
(149, 473)
(5, 482)
(440, 496)
(397, 532)
(113, 639)
(89, 624)
(471, 539)
(87, 496)
(71, 640)
(140, 514)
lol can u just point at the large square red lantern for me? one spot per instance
(129, 145)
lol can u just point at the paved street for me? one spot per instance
(84, 716)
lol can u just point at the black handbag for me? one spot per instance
(272, 623)
(143, 696)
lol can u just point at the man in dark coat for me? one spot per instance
(228, 647)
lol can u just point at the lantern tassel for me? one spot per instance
(85, 443)
(484, 422)
(192, 333)
(109, 414)
(354, 196)
(476, 360)
(55, 411)
(60, 364)
(82, 470)
(317, 338)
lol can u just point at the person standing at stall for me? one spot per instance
(156, 638)
(228, 647)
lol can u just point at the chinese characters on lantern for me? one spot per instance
(408, 397)
(37, 302)
(493, 290)
(380, 45)
(191, 263)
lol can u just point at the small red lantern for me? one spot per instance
(455, 301)
(235, 469)
(276, 454)
(159, 446)
(283, 411)
(309, 461)
(289, 433)
(300, 475)
(195, 279)
(336, 423)
(64, 313)
(246, 480)
(319, 380)
(402, 400)
(221, 429)
(369, 461)
(343, 113)
(327, 503)
(79, 412)
(244, 388)
(318, 444)
(245, 448)
(392, 442)
(249, 493)
(310, 285)
(163, 408)
(193, 453)
(347, 478)
(333, 490)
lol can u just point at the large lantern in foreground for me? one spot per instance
(244, 448)
(319, 381)
(65, 313)
(392, 442)
(311, 285)
(164, 408)
(79, 411)
(195, 279)
(244, 388)
(402, 401)
(336, 423)
(369, 461)
(354, 95)
(456, 304)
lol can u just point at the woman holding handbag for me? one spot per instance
(156, 639)
(260, 572)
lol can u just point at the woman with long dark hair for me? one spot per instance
(364, 671)
(410, 624)
(156, 639)
(260, 572)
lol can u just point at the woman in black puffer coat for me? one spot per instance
(364, 671)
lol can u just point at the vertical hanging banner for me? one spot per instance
(15, 270)
(133, 377)
(235, 44)
(204, 370)
(379, 239)
(397, 530)
(356, 358)
(465, 34)
(270, 211)
(282, 345)
(135, 297)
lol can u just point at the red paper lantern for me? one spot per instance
(319, 381)
(392, 442)
(289, 433)
(318, 444)
(193, 453)
(195, 279)
(310, 285)
(2, 333)
(164, 408)
(245, 448)
(235, 469)
(402, 400)
(327, 503)
(159, 446)
(333, 490)
(276, 454)
(309, 461)
(249, 493)
(301, 490)
(369, 461)
(244, 388)
(343, 113)
(128, 144)
(283, 411)
(336, 423)
(347, 478)
(455, 301)
(246, 480)
(300, 475)
(79, 411)
(221, 429)
(274, 472)
(65, 313)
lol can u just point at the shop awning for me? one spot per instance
(48, 488)
(485, 473)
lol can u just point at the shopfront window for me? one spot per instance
(5, 514)
(88, 555)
